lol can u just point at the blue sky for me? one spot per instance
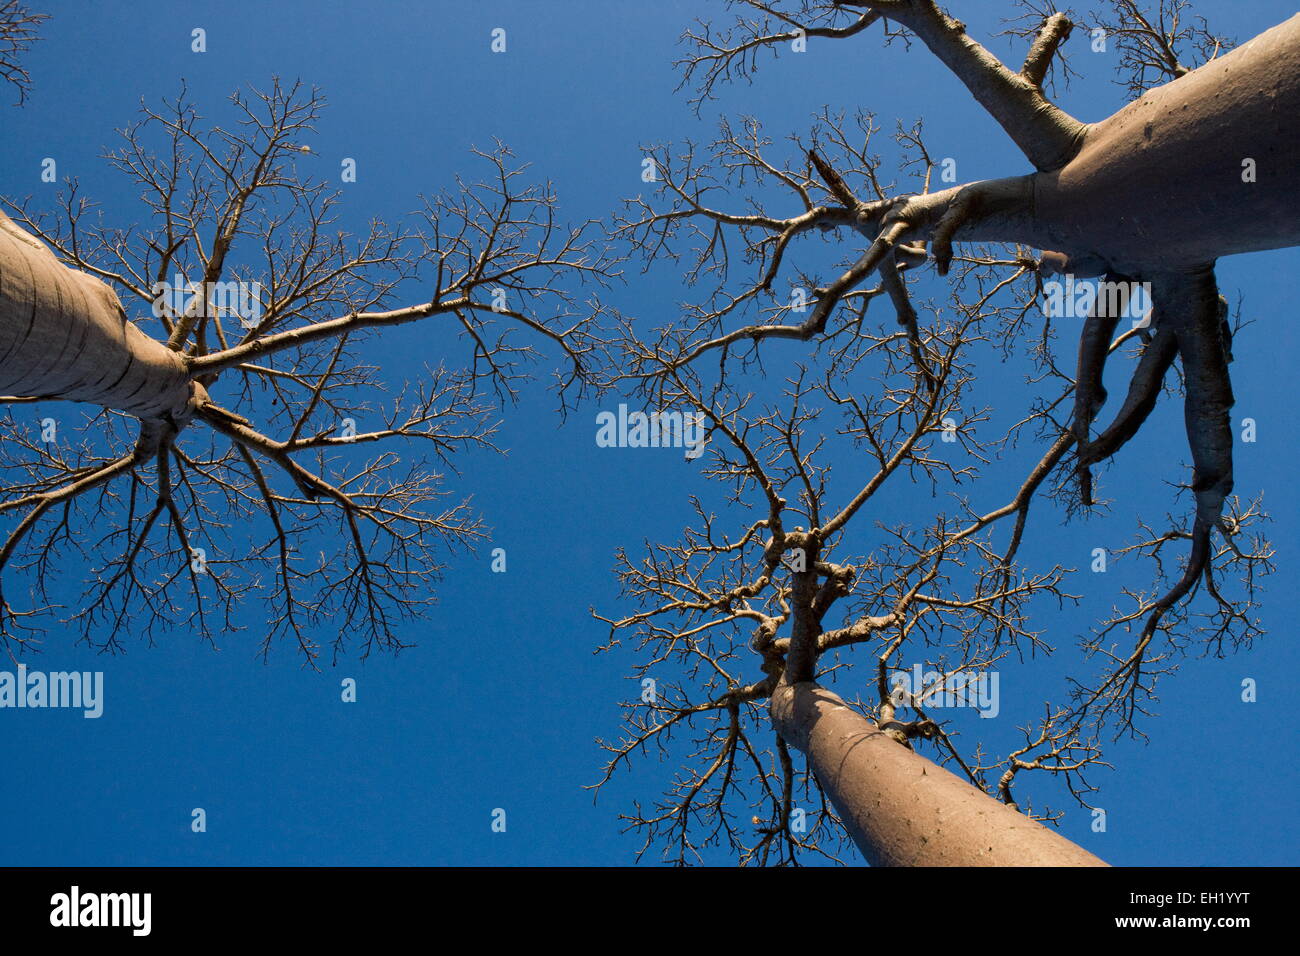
(500, 702)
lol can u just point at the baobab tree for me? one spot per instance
(233, 442)
(791, 581)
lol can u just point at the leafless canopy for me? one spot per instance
(17, 33)
(313, 488)
(795, 570)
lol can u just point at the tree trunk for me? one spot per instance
(1162, 181)
(63, 334)
(900, 808)
(1196, 169)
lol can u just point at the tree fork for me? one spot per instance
(1196, 169)
(1191, 171)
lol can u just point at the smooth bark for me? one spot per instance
(1162, 183)
(63, 334)
(1193, 170)
(900, 808)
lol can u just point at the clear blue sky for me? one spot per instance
(499, 703)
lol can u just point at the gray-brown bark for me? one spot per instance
(63, 334)
(1159, 184)
(1046, 134)
(900, 808)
